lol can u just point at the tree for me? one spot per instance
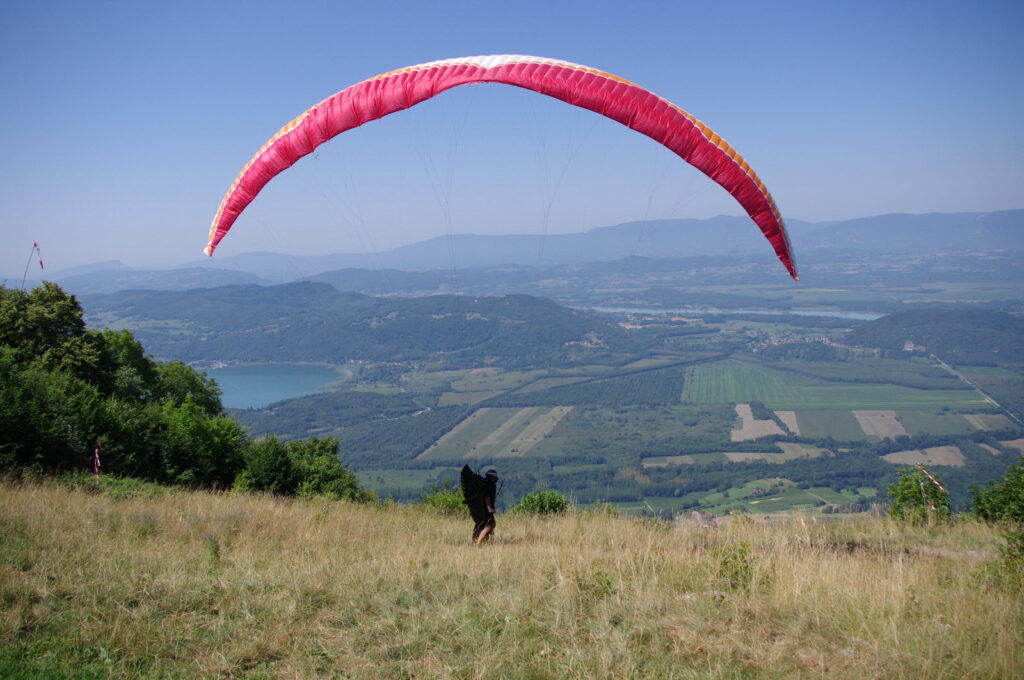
(321, 473)
(65, 386)
(178, 381)
(1003, 500)
(268, 467)
(916, 498)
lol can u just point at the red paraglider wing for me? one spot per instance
(588, 88)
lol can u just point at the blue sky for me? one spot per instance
(123, 123)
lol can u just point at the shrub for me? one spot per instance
(446, 498)
(735, 566)
(917, 499)
(543, 503)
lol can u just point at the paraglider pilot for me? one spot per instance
(479, 495)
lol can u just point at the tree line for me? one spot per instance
(69, 392)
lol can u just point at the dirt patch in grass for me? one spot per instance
(751, 428)
(1015, 444)
(882, 424)
(937, 455)
(665, 461)
(789, 418)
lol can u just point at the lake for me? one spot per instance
(257, 385)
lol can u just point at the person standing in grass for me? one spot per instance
(479, 494)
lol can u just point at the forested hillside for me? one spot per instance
(963, 336)
(313, 322)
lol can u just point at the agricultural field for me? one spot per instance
(752, 428)
(820, 424)
(936, 455)
(735, 382)
(493, 380)
(880, 424)
(464, 398)
(405, 481)
(932, 422)
(790, 451)
(989, 421)
(490, 433)
(987, 372)
(774, 495)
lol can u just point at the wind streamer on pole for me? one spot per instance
(35, 252)
(96, 459)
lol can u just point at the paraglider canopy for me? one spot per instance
(582, 86)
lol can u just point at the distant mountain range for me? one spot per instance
(427, 264)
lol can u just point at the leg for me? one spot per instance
(484, 535)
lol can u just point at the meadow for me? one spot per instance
(177, 584)
(737, 382)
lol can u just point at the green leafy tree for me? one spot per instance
(128, 373)
(321, 473)
(1003, 500)
(268, 467)
(178, 381)
(916, 498)
(65, 386)
(199, 450)
(47, 419)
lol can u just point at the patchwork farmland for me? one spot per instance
(743, 382)
(490, 433)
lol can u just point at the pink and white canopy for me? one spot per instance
(582, 86)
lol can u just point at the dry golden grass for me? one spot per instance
(220, 585)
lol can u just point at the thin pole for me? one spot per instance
(34, 251)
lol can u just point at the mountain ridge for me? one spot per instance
(662, 239)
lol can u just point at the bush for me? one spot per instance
(446, 498)
(735, 566)
(917, 499)
(543, 503)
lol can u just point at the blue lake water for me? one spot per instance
(257, 385)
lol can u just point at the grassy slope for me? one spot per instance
(200, 585)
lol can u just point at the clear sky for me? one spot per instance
(122, 124)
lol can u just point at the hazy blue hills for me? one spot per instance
(383, 281)
(678, 238)
(110, 281)
(458, 260)
(932, 232)
(313, 322)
